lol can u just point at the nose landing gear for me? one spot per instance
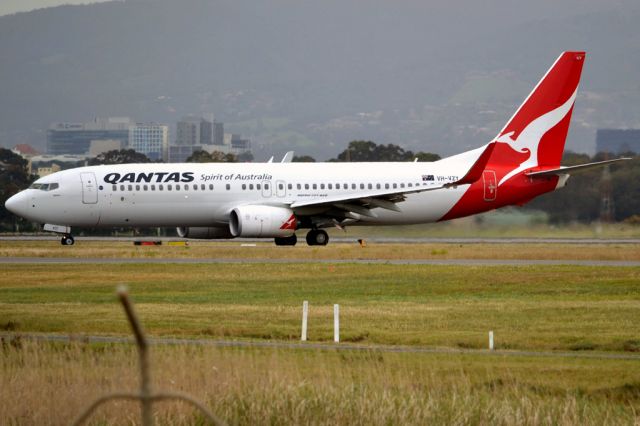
(67, 240)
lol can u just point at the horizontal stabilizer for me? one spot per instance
(563, 170)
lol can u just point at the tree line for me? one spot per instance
(612, 193)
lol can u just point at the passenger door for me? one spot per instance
(89, 188)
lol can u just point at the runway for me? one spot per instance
(351, 240)
(458, 262)
(321, 346)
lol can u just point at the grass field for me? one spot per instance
(50, 384)
(536, 307)
(564, 308)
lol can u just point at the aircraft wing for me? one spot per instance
(351, 206)
(563, 170)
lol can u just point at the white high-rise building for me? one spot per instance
(150, 139)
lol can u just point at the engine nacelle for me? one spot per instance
(262, 221)
(202, 233)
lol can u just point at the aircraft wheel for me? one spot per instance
(67, 240)
(286, 241)
(317, 237)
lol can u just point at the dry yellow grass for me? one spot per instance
(47, 384)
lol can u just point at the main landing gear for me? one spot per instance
(67, 240)
(317, 237)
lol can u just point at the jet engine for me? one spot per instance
(202, 233)
(262, 221)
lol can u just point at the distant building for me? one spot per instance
(25, 150)
(236, 142)
(98, 147)
(75, 138)
(194, 131)
(218, 133)
(150, 139)
(180, 153)
(46, 171)
(617, 141)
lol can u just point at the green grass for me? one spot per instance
(528, 307)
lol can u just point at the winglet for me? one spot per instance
(475, 172)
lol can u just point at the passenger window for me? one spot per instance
(211, 186)
(362, 186)
(289, 186)
(299, 186)
(169, 187)
(266, 186)
(161, 187)
(306, 186)
(410, 185)
(203, 187)
(115, 188)
(250, 186)
(315, 186)
(244, 186)
(130, 187)
(401, 185)
(337, 186)
(386, 186)
(330, 186)
(280, 186)
(153, 187)
(195, 186)
(353, 186)
(137, 187)
(228, 187)
(177, 187)
(322, 186)
(378, 186)
(370, 186)
(258, 186)
(145, 187)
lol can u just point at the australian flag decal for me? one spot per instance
(427, 178)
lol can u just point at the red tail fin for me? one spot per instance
(538, 130)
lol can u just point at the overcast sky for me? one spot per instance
(14, 6)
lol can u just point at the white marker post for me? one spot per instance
(336, 323)
(491, 340)
(305, 314)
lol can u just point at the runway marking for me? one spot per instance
(459, 262)
(320, 346)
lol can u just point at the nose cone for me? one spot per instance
(17, 204)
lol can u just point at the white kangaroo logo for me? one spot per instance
(529, 139)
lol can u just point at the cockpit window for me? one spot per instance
(45, 186)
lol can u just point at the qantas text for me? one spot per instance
(157, 177)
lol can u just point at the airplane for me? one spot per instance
(274, 200)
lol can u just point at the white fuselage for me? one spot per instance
(194, 194)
